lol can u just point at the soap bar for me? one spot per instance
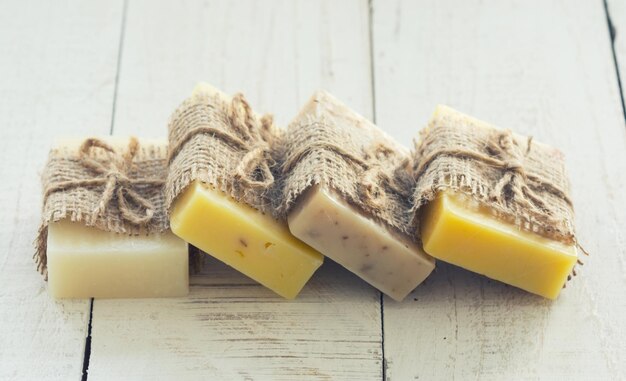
(344, 197)
(457, 230)
(388, 261)
(104, 231)
(86, 262)
(494, 202)
(219, 192)
(244, 238)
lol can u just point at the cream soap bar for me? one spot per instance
(497, 205)
(106, 233)
(317, 143)
(85, 262)
(239, 234)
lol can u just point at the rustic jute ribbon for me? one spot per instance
(223, 144)
(515, 185)
(330, 145)
(376, 178)
(103, 188)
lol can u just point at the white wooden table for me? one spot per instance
(547, 68)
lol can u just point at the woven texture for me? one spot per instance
(223, 144)
(115, 189)
(523, 182)
(330, 145)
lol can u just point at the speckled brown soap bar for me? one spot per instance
(345, 188)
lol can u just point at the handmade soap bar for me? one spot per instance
(499, 204)
(220, 204)
(457, 230)
(242, 237)
(105, 231)
(346, 197)
(391, 263)
(87, 262)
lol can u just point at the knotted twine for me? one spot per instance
(223, 144)
(98, 186)
(329, 145)
(520, 181)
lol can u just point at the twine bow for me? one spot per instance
(376, 181)
(514, 182)
(254, 169)
(516, 185)
(374, 164)
(113, 174)
(517, 181)
(250, 134)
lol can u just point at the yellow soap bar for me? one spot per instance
(85, 262)
(457, 230)
(244, 238)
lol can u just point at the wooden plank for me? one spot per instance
(231, 329)
(277, 53)
(617, 13)
(542, 68)
(58, 65)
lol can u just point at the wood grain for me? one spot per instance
(542, 68)
(277, 53)
(58, 67)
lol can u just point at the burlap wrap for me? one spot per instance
(224, 145)
(330, 145)
(523, 182)
(112, 189)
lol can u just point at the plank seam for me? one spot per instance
(87, 354)
(119, 63)
(382, 335)
(612, 34)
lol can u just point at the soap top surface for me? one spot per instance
(73, 237)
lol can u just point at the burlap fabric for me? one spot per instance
(521, 181)
(223, 144)
(330, 145)
(115, 189)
